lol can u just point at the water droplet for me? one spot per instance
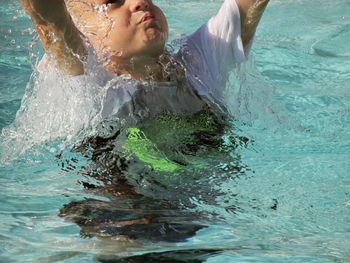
(117, 53)
(102, 9)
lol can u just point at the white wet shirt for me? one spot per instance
(209, 54)
(213, 50)
(57, 106)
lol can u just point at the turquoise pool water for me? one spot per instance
(292, 203)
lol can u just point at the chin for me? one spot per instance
(154, 47)
(154, 34)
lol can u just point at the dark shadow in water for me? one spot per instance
(149, 200)
(181, 256)
(110, 219)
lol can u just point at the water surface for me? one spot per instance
(292, 200)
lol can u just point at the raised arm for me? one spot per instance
(251, 12)
(58, 34)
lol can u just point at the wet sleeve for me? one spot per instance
(214, 49)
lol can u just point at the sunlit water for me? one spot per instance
(291, 202)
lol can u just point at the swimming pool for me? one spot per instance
(291, 205)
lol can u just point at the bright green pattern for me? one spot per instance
(162, 140)
(147, 152)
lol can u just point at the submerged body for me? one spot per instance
(292, 162)
(148, 97)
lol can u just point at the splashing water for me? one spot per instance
(289, 202)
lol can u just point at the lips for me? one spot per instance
(146, 17)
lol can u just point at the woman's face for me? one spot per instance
(121, 29)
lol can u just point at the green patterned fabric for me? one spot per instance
(146, 151)
(170, 143)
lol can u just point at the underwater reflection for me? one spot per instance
(181, 256)
(149, 174)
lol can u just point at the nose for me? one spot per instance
(139, 5)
